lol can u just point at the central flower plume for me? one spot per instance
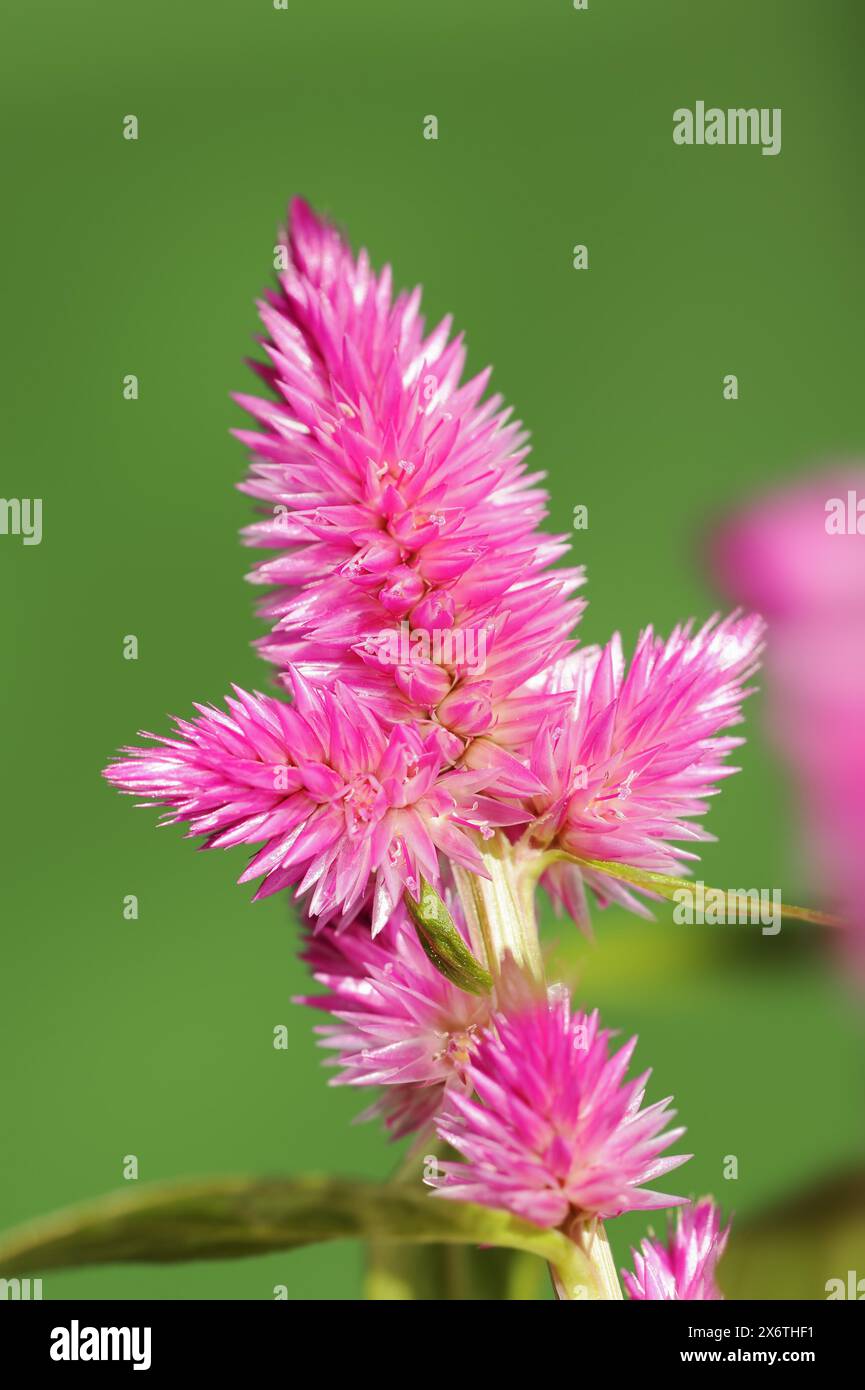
(396, 495)
(633, 757)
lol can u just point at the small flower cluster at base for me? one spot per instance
(400, 1024)
(684, 1268)
(555, 1131)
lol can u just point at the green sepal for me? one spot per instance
(440, 938)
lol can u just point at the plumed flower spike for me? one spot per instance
(684, 1268)
(555, 1133)
(638, 754)
(408, 560)
(340, 805)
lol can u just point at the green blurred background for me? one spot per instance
(154, 1037)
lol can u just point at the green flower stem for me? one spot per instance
(596, 1248)
(598, 1280)
(500, 911)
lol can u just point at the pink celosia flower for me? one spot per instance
(425, 640)
(800, 553)
(636, 755)
(401, 1025)
(398, 498)
(684, 1268)
(338, 803)
(555, 1132)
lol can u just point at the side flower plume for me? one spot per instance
(400, 1024)
(555, 1132)
(637, 754)
(342, 807)
(408, 560)
(684, 1268)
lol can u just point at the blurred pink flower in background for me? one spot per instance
(799, 556)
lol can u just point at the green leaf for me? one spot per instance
(794, 1250)
(224, 1218)
(667, 886)
(398, 1271)
(441, 939)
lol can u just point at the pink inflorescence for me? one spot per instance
(635, 756)
(684, 1268)
(432, 700)
(342, 805)
(423, 640)
(408, 560)
(398, 1023)
(555, 1131)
